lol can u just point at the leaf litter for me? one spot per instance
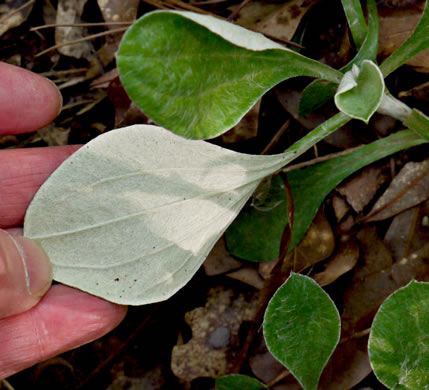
(408, 246)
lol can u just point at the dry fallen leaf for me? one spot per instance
(219, 261)
(396, 25)
(53, 135)
(70, 12)
(341, 208)
(407, 232)
(215, 343)
(348, 365)
(360, 190)
(248, 275)
(278, 20)
(9, 18)
(341, 262)
(317, 244)
(408, 188)
(377, 278)
(263, 364)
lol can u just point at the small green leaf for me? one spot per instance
(239, 382)
(356, 20)
(416, 43)
(302, 328)
(399, 339)
(319, 92)
(198, 75)
(360, 91)
(254, 236)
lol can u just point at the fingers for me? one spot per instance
(25, 274)
(27, 101)
(64, 319)
(22, 172)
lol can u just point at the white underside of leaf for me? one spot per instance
(237, 35)
(131, 216)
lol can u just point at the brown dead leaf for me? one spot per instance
(421, 92)
(112, 11)
(219, 261)
(375, 279)
(408, 188)
(396, 25)
(69, 12)
(118, 10)
(53, 135)
(10, 17)
(263, 364)
(317, 244)
(341, 208)
(341, 262)
(278, 20)
(289, 99)
(348, 365)
(213, 348)
(266, 267)
(360, 190)
(248, 275)
(407, 233)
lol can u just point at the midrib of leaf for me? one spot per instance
(154, 210)
(236, 205)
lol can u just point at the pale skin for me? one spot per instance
(37, 321)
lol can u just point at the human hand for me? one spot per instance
(36, 322)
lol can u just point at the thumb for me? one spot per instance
(25, 274)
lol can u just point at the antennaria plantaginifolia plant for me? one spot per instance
(145, 206)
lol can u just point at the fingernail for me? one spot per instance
(37, 267)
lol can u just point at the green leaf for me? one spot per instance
(133, 214)
(360, 91)
(253, 237)
(315, 95)
(239, 382)
(355, 20)
(198, 75)
(256, 233)
(416, 43)
(302, 328)
(319, 92)
(418, 122)
(399, 339)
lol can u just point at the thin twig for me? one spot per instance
(276, 137)
(356, 335)
(188, 7)
(58, 73)
(235, 13)
(320, 159)
(158, 5)
(6, 384)
(102, 34)
(80, 25)
(15, 11)
(284, 374)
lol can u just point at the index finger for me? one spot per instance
(27, 101)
